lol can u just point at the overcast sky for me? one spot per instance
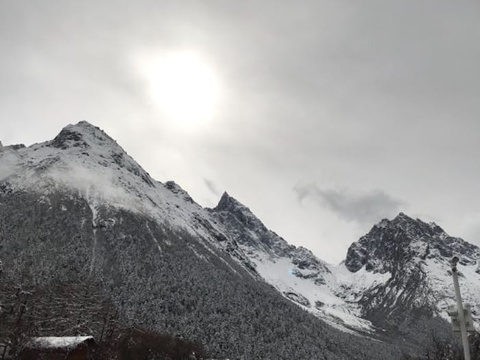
(328, 115)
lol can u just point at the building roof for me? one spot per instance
(54, 342)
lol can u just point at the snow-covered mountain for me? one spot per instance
(84, 159)
(294, 271)
(79, 207)
(396, 273)
(414, 257)
(400, 269)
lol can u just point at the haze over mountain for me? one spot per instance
(352, 111)
(79, 209)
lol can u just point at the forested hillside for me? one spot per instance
(150, 275)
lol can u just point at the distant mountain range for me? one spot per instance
(79, 210)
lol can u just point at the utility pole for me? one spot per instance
(460, 310)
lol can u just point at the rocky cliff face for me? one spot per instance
(255, 239)
(392, 244)
(416, 255)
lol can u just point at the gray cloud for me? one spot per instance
(212, 187)
(363, 208)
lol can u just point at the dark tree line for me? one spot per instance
(140, 344)
(441, 348)
(66, 309)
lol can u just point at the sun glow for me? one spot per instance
(183, 87)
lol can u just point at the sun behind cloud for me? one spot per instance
(182, 86)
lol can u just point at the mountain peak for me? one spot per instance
(404, 218)
(402, 215)
(82, 148)
(228, 203)
(393, 243)
(416, 227)
(82, 135)
(234, 208)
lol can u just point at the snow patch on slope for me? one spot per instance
(441, 281)
(52, 342)
(320, 299)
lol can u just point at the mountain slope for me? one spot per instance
(79, 210)
(295, 272)
(396, 280)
